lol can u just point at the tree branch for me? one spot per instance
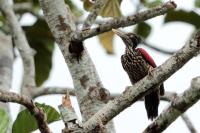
(52, 90)
(188, 123)
(177, 107)
(28, 103)
(88, 87)
(123, 21)
(142, 87)
(164, 51)
(63, 90)
(6, 65)
(169, 96)
(22, 45)
(94, 13)
(23, 6)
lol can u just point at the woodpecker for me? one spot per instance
(138, 63)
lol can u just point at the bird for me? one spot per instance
(138, 63)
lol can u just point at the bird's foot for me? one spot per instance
(150, 71)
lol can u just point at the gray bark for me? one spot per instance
(37, 112)
(22, 44)
(124, 21)
(88, 87)
(6, 64)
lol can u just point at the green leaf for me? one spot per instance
(183, 16)
(111, 9)
(26, 123)
(143, 29)
(41, 39)
(197, 3)
(4, 121)
(106, 40)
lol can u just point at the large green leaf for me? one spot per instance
(143, 29)
(26, 123)
(4, 121)
(111, 8)
(190, 17)
(40, 38)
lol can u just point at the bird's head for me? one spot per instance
(131, 40)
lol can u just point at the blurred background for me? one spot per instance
(167, 33)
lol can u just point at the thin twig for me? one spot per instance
(22, 44)
(23, 6)
(6, 69)
(63, 90)
(52, 90)
(164, 51)
(188, 123)
(27, 7)
(123, 21)
(94, 13)
(176, 108)
(38, 113)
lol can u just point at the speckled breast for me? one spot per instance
(135, 66)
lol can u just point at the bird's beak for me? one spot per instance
(120, 33)
(123, 36)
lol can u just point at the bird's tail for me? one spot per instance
(151, 104)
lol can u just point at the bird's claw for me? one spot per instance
(150, 71)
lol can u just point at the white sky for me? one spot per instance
(133, 119)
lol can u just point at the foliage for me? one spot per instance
(143, 29)
(197, 3)
(190, 17)
(26, 123)
(4, 121)
(111, 8)
(40, 38)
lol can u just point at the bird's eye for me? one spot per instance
(132, 36)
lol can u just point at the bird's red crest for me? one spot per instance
(147, 57)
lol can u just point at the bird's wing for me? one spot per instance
(150, 60)
(147, 57)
